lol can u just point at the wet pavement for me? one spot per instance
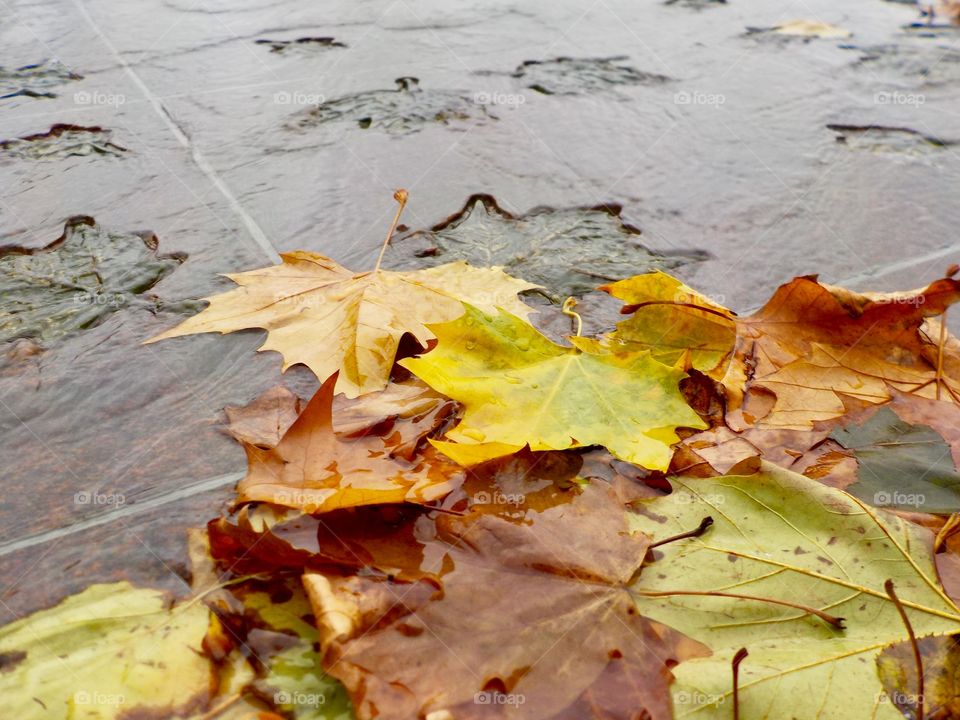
(227, 131)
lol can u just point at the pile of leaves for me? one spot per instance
(694, 514)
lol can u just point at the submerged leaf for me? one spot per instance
(331, 319)
(78, 280)
(519, 388)
(575, 76)
(780, 535)
(569, 251)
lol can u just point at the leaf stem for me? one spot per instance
(833, 620)
(888, 586)
(696, 532)
(737, 659)
(568, 305)
(401, 197)
(943, 341)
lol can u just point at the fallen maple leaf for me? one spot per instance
(674, 322)
(811, 344)
(264, 538)
(519, 388)
(783, 537)
(940, 656)
(315, 470)
(265, 420)
(318, 313)
(111, 651)
(329, 318)
(564, 642)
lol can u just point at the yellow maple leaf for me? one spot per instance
(330, 319)
(673, 321)
(519, 388)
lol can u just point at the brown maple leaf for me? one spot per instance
(315, 470)
(527, 614)
(811, 344)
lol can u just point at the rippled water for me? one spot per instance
(249, 127)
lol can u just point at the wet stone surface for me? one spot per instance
(930, 65)
(77, 281)
(240, 149)
(62, 141)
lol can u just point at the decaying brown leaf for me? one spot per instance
(530, 611)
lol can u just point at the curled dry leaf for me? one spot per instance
(331, 319)
(519, 388)
(315, 470)
(565, 640)
(779, 535)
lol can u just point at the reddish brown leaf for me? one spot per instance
(531, 612)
